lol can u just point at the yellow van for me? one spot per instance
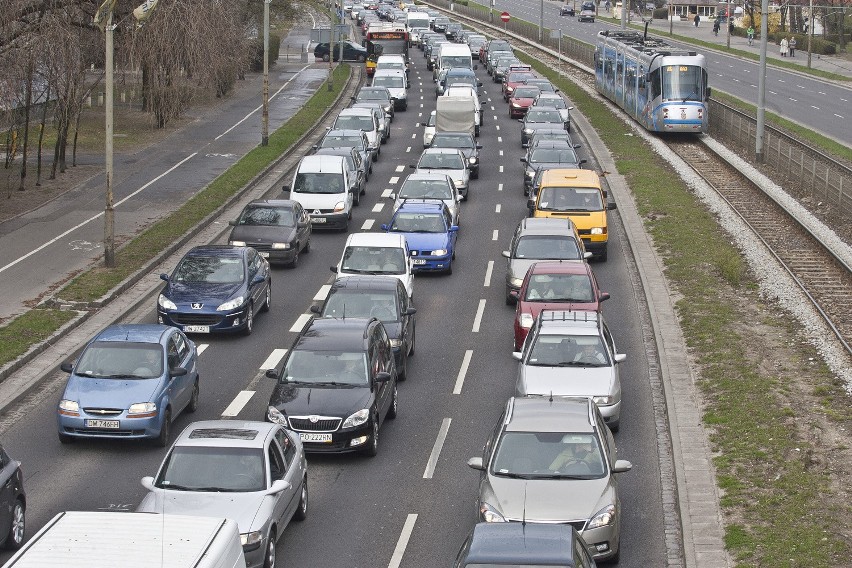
(578, 195)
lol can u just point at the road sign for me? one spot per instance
(505, 17)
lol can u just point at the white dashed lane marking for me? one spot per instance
(237, 404)
(368, 224)
(300, 323)
(322, 294)
(202, 348)
(377, 208)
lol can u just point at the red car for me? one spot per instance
(522, 98)
(553, 285)
(515, 75)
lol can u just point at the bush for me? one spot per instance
(256, 51)
(661, 14)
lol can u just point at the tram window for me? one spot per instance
(656, 87)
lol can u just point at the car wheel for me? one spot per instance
(394, 405)
(325, 58)
(510, 301)
(302, 511)
(357, 200)
(449, 268)
(402, 374)
(413, 341)
(293, 264)
(267, 301)
(602, 256)
(307, 247)
(269, 557)
(615, 426)
(373, 448)
(249, 320)
(15, 538)
(163, 438)
(65, 439)
(193, 400)
(376, 157)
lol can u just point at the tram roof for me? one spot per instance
(639, 42)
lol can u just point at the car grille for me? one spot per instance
(321, 211)
(421, 253)
(584, 231)
(323, 424)
(111, 432)
(103, 411)
(260, 247)
(196, 319)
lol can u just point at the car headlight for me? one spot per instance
(602, 518)
(528, 131)
(516, 105)
(276, 416)
(603, 400)
(472, 160)
(142, 410)
(251, 538)
(395, 343)
(597, 231)
(357, 419)
(460, 182)
(439, 252)
(69, 407)
(526, 321)
(490, 515)
(231, 304)
(280, 246)
(340, 206)
(530, 174)
(516, 282)
(165, 303)
(237, 243)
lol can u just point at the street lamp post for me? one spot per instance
(264, 133)
(331, 45)
(729, 22)
(109, 212)
(541, 22)
(810, 29)
(761, 82)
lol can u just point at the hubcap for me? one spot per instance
(18, 524)
(304, 498)
(375, 433)
(395, 399)
(249, 318)
(271, 552)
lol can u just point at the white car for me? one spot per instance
(396, 82)
(429, 186)
(448, 161)
(361, 119)
(377, 254)
(429, 130)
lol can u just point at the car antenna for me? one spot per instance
(524, 514)
(551, 396)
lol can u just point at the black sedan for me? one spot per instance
(216, 288)
(12, 503)
(351, 52)
(337, 386)
(278, 229)
(567, 10)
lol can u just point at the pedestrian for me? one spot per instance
(696, 20)
(785, 47)
(750, 34)
(716, 24)
(792, 47)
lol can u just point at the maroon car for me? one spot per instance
(560, 285)
(515, 76)
(522, 98)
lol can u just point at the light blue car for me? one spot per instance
(131, 381)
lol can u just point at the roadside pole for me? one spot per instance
(109, 211)
(264, 131)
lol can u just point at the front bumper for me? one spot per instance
(603, 537)
(432, 263)
(128, 428)
(595, 244)
(203, 321)
(332, 221)
(342, 440)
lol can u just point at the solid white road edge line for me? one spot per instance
(436, 449)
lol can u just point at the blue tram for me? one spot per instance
(661, 86)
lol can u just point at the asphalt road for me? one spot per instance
(366, 511)
(817, 104)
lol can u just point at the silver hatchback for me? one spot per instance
(448, 161)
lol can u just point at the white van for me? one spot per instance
(396, 82)
(382, 254)
(321, 186)
(81, 539)
(453, 55)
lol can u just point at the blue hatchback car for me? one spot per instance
(216, 288)
(131, 381)
(429, 232)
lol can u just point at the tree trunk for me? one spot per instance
(76, 133)
(28, 101)
(41, 133)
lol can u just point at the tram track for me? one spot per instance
(822, 275)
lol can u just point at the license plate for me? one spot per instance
(309, 437)
(419, 261)
(196, 329)
(317, 219)
(264, 254)
(102, 424)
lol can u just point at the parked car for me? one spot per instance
(216, 288)
(351, 51)
(337, 386)
(278, 229)
(572, 353)
(130, 381)
(363, 296)
(13, 503)
(430, 234)
(252, 472)
(524, 545)
(553, 460)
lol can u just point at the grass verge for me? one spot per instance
(778, 506)
(36, 325)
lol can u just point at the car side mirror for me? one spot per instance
(278, 486)
(515, 294)
(315, 146)
(412, 166)
(333, 269)
(524, 160)
(517, 355)
(392, 196)
(707, 92)
(476, 463)
(621, 466)
(507, 254)
(620, 357)
(66, 367)
(410, 311)
(454, 229)
(258, 279)
(164, 277)
(520, 120)
(479, 83)
(587, 255)
(525, 145)
(232, 223)
(583, 161)
(177, 372)
(353, 98)
(475, 67)
(147, 482)
(271, 374)
(603, 296)
(384, 227)
(611, 205)
(383, 377)
(576, 146)
(570, 108)
(479, 146)
(315, 309)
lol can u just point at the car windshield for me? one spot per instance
(568, 351)
(526, 92)
(450, 61)
(519, 77)
(441, 161)
(267, 217)
(329, 368)
(559, 288)
(452, 141)
(551, 102)
(372, 95)
(418, 223)
(214, 469)
(209, 269)
(364, 123)
(554, 155)
(549, 135)
(554, 198)
(543, 115)
(547, 247)
(379, 304)
(547, 455)
(391, 81)
(121, 360)
(396, 65)
(318, 183)
(425, 189)
(374, 260)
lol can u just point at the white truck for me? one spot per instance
(79, 539)
(456, 114)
